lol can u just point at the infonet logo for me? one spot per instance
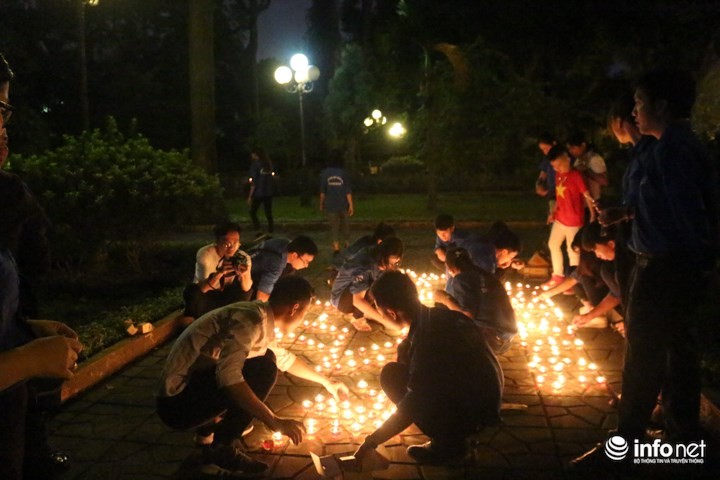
(617, 448)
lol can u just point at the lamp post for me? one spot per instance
(298, 78)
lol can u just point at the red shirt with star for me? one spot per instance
(570, 204)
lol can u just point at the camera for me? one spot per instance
(239, 260)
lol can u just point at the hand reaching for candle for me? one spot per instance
(293, 429)
(441, 296)
(338, 390)
(364, 449)
(580, 320)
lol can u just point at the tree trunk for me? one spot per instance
(202, 83)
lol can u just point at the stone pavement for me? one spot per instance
(558, 383)
(113, 433)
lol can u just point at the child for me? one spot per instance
(571, 198)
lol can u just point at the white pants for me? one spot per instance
(558, 233)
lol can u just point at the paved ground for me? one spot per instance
(564, 379)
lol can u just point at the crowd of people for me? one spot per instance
(644, 259)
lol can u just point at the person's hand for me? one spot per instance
(49, 328)
(440, 254)
(580, 320)
(544, 296)
(517, 264)
(53, 356)
(351, 211)
(338, 390)
(249, 200)
(322, 206)
(366, 447)
(293, 429)
(550, 219)
(612, 215)
(441, 296)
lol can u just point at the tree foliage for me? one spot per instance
(101, 187)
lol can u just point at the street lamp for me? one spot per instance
(298, 78)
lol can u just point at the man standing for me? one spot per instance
(223, 366)
(674, 237)
(446, 380)
(336, 201)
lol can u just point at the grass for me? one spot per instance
(483, 207)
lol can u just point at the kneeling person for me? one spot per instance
(223, 366)
(446, 380)
(222, 273)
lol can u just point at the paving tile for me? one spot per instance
(289, 466)
(398, 472)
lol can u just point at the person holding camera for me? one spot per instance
(222, 273)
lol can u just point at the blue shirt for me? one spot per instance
(356, 275)
(261, 176)
(457, 239)
(483, 295)
(335, 184)
(269, 262)
(358, 245)
(14, 331)
(677, 207)
(635, 169)
(550, 177)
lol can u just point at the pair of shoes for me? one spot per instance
(434, 453)
(231, 462)
(554, 281)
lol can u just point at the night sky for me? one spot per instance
(281, 29)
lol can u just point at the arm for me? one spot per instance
(566, 284)
(369, 311)
(322, 201)
(392, 426)
(606, 304)
(52, 356)
(242, 396)
(212, 282)
(541, 184)
(300, 369)
(440, 254)
(591, 205)
(263, 296)
(444, 298)
(351, 209)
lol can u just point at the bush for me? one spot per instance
(405, 165)
(101, 187)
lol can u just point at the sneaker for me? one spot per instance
(229, 461)
(432, 453)
(554, 281)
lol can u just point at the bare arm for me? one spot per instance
(263, 296)
(605, 305)
(351, 208)
(441, 296)
(243, 397)
(52, 356)
(566, 284)
(369, 311)
(301, 369)
(322, 201)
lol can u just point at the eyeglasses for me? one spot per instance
(6, 111)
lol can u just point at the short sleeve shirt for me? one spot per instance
(356, 275)
(335, 185)
(227, 336)
(570, 203)
(261, 175)
(269, 261)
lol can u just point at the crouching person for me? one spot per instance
(446, 380)
(223, 366)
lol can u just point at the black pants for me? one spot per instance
(198, 303)
(202, 401)
(445, 421)
(661, 349)
(255, 205)
(591, 289)
(345, 304)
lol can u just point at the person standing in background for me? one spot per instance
(261, 188)
(336, 200)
